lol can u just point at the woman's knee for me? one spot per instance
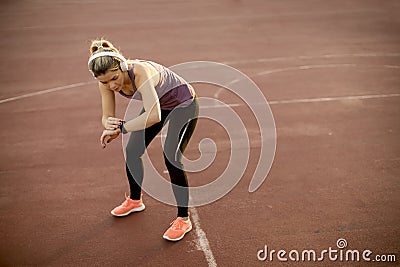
(134, 153)
(172, 162)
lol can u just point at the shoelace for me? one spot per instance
(126, 202)
(177, 224)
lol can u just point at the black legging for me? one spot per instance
(182, 122)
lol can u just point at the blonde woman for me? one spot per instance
(166, 97)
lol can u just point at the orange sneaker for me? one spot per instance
(128, 206)
(178, 229)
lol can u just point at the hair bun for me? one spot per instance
(101, 46)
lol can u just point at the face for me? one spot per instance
(112, 79)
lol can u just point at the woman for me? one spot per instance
(165, 97)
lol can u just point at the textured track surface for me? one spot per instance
(330, 69)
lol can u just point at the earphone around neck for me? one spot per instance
(123, 64)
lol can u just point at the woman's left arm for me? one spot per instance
(145, 83)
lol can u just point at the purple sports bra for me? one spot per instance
(172, 90)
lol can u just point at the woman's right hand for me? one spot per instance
(108, 135)
(112, 123)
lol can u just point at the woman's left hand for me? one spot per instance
(108, 135)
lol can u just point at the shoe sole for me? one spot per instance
(142, 207)
(179, 238)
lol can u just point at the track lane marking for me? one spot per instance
(46, 91)
(202, 241)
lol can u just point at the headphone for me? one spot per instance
(123, 65)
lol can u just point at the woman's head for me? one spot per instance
(100, 65)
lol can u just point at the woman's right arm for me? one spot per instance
(107, 104)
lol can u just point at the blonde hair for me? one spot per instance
(102, 64)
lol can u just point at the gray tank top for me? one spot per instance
(172, 90)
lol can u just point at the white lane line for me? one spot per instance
(273, 102)
(304, 67)
(328, 99)
(221, 106)
(241, 62)
(308, 100)
(321, 66)
(202, 241)
(42, 92)
(326, 56)
(219, 91)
